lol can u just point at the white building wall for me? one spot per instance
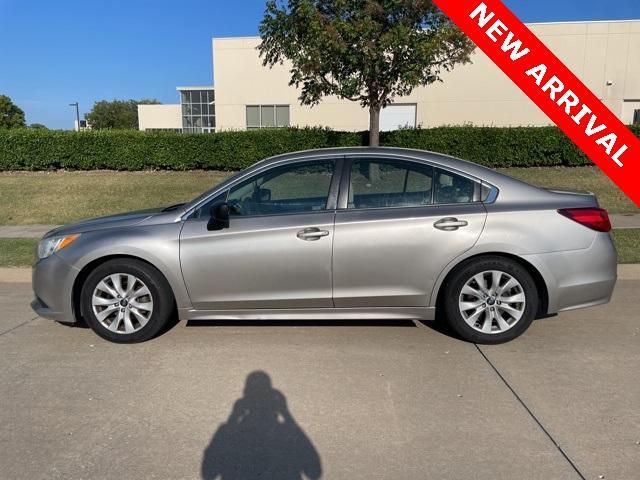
(153, 117)
(479, 93)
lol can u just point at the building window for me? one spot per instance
(198, 111)
(636, 117)
(267, 116)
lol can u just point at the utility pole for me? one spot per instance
(77, 129)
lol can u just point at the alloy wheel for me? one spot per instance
(122, 303)
(492, 302)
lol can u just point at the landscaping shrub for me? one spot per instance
(31, 149)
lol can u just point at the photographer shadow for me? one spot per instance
(260, 439)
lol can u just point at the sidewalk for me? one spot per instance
(625, 220)
(24, 231)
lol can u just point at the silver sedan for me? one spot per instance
(354, 233)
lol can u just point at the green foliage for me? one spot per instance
(28, 149)
(368, 51)
(11, 116)
(38, 126)
(116, 114)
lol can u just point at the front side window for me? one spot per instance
(452, 188)
(267, 116)
(636, 117)
(389, 183)
(297, 188)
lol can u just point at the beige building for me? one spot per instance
(605, 55)
(160, 117)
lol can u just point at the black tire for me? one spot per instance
(453, 288)
(160, 291)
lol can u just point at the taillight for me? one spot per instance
(594, 218)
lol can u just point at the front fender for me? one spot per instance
(158, 245)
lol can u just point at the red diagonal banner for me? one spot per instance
(551, 86)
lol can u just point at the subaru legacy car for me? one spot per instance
(352, 233)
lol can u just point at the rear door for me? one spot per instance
(399, 223)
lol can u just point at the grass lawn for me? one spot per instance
(19, 252)
(28, 198)
(53, 198)
(627, 242)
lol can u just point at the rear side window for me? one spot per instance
(452, 188)
(389, 183)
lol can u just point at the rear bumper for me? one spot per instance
(578, 278)
(52, 282)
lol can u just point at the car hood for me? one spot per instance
(111, 221)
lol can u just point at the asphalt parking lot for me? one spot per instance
(332, 401)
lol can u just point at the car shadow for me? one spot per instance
(300, 323)
(439, 326)
(260, 439)
(82, 323)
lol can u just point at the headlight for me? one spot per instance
(53, 244)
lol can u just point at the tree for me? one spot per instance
(38, 126)
(11, 116)
(368, 51)
(116, 114)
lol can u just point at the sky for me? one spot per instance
(56, 52)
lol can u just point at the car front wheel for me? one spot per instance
(126, 301)
(491, 300)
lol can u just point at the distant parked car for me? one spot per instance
(357, 233)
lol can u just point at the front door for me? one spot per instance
(277, 250)
(401, 224)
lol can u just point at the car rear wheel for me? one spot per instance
(126, 301)
(491, 300)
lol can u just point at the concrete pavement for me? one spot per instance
(366, 400)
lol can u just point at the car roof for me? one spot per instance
(428, 156)
(504, 182)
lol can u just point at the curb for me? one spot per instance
(15, 275)
(627, 271)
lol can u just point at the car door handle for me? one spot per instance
(313, 233)
(450, 223)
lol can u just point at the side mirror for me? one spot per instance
(219, 217)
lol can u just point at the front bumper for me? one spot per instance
(52, 281)
(578, 278)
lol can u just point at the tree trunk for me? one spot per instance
(374, 126)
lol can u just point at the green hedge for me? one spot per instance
(28, 149)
